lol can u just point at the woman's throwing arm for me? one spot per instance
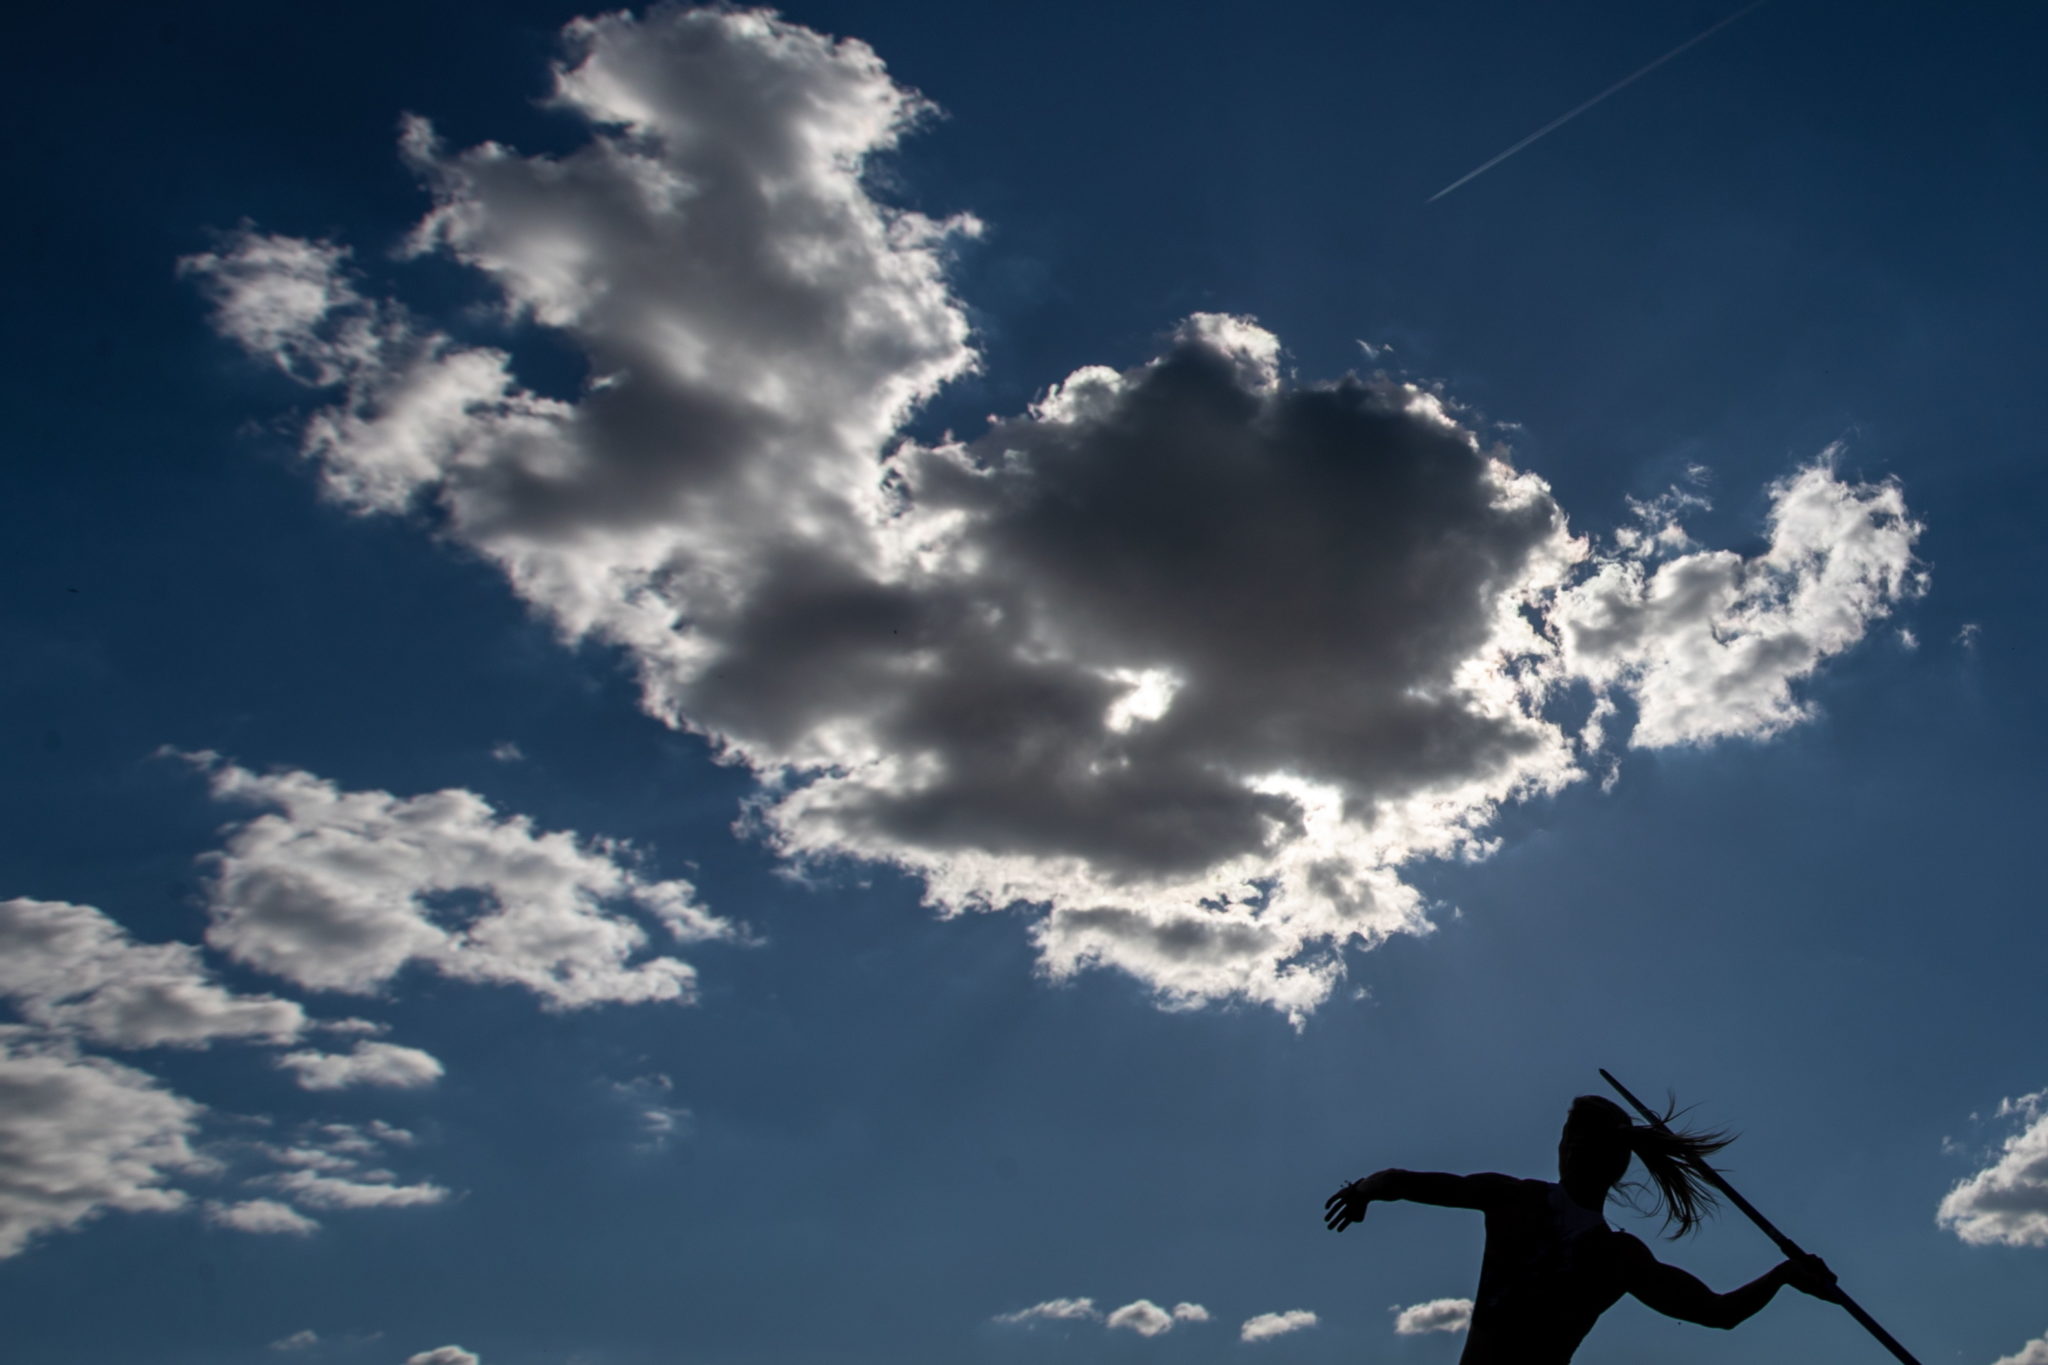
(1347, 1206)
(1676, 1294)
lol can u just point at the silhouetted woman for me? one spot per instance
(1552, 1265)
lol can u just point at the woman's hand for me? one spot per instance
(1346, 1206)
(1810, 1275)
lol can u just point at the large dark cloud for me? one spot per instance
(1192, 656)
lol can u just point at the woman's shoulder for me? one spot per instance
(1629, 1248)
(1507, 1189)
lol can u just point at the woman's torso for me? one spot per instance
(1552, 1267)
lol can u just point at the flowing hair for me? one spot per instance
(1673, 1158)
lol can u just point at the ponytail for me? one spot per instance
(1672, 1157)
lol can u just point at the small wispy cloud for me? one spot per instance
(334, 1166)
(658, 1118)
(1142, 1316)
(262, 1216)
(1053, 1310)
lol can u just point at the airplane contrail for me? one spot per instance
(1625, 81)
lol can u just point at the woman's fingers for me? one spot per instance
(1343, 1208)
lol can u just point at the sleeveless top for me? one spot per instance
(1552, 1267)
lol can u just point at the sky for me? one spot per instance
(884, 682)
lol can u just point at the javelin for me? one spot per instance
(1625, 81)
(1785, 1244)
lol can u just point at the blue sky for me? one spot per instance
(620, 753)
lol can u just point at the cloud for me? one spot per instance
(369, 1191)
(1190, 660)
(368, 1027)
(367, 1063)
(1438, 1315)
(340, 890)
(1268, 1325)
(2034, 1352)
(1053, 1310)
(263, 1216)
(444, 1355)
(1143, 1316)
(2006, 1203)
(2027, 1106)
(71, 969)
(80, 1135)
(285, 299)
(659, 1120)
(1709, 643)
(329, 1167)
(301, 1340)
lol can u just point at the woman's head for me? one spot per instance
(1599, 1138)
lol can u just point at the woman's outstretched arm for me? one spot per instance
(1676, 1294)
(1347, 1206)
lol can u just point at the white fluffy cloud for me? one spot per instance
(1143, 1316)
(2007, 1202)
(1190, 658)
(80, 1135)
(71, 969)
(2034, 1352)
(1266, 1326)
(445, 1355)
(1709, 643)
(367, 1063)
(1148, 1319)
(330, 889)
(1438, 1315)
(339, 890)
